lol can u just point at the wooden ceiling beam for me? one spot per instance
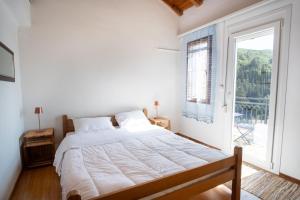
(178, 6)
(177, 10)
(196, 2)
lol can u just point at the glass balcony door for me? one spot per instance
(255, 62)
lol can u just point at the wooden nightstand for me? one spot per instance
(38, 148)
(161, 121)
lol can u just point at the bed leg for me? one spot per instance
(73, 195)
(236, 182)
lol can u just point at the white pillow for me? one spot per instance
(93, 124)
(132, 119)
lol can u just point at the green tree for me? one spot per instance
(253, 81)
(253, 73)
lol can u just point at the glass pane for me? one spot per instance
(254, 55)
(198, 70)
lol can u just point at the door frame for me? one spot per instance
(246, 22)
(231, 90)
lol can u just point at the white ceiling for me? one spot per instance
(21, 11)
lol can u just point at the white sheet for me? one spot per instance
(95, 164)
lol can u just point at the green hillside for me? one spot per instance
(253, 73)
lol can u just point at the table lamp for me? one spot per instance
(156, 105)
(39, 111)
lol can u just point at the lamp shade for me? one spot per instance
(38, 110)
(156, 103)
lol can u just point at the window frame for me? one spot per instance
(209, 39)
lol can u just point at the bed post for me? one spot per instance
(73, 195)
(236, 182)
(145, 111)
(65, 124)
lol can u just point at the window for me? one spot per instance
(199, 61)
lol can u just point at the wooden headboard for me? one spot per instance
(68, 125)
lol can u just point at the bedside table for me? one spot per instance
(161, 121)
(38, 148)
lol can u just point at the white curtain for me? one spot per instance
(201, 111)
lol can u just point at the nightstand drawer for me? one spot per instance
(162, 122)
(38, 143)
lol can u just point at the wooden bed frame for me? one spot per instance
(208, 177)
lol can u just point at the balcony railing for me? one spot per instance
(251, 110)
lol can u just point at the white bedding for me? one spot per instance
(96, 163)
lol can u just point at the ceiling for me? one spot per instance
(20, 9)
(178, 6)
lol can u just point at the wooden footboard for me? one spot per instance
(208, 177)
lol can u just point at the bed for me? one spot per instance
(153, 163)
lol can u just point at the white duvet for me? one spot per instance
(97, 163)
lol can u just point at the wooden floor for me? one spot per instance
(43, 184)
(37, 184)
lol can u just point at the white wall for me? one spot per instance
(98, 57)
(214, 134)
(20, 10)
(290, 159)
(210, 10)
(11, 120)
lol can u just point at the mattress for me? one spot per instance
(97, 163)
